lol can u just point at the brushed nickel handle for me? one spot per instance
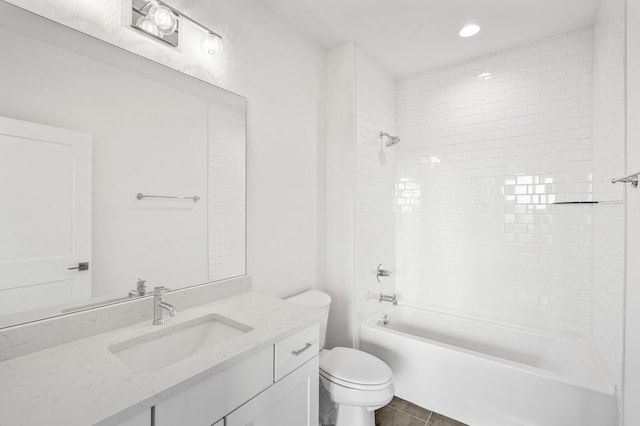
(299, 351)
(82, 266)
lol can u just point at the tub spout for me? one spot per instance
(386, 298)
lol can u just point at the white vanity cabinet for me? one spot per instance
(277, 386)
(141, 419)
(293, 401)
(212, 398)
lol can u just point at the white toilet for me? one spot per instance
(353, 384)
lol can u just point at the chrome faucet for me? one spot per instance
(382, 272)
(387, 298)
(141, 289)
(384, 320)
(159, 306)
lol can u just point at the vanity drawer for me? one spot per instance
(214, 397)
(295, 350)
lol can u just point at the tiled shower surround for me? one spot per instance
(608, 161)
(487, 147)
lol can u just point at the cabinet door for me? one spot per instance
(212, 398)
(141, 419)
(293, 401)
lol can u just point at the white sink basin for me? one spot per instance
(170, 344)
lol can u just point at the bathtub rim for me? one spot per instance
(606, 388)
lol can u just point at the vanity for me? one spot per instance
(245, 359)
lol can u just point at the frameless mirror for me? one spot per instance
(113, 168)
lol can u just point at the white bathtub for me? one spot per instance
(488, 374)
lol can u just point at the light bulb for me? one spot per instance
(470, 30)
(211, 44)
(147, 26)
(164, 19)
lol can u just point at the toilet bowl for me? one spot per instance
(353, 383)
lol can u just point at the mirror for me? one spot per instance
(84, 128)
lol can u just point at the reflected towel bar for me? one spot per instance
(141, 196)
(632, 179)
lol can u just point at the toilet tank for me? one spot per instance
(319, 300)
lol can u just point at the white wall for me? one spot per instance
(282, 75)
(632, 324)
(609, 161)
(374, 172)
(479, 165)
(341, 160)
(360, 211)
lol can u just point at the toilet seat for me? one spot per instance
(355, 369)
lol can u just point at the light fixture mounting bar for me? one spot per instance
(180, 15)
(193, 21)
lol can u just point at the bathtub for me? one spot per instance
(488, 374)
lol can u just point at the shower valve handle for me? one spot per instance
(382, 272)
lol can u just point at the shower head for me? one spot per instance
(390, 140)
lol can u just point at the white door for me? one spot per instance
(45, 215)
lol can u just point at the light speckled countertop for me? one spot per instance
(82, 383)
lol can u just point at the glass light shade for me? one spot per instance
(469, 31)
(211, 44)
(164, 19)
(147, 26)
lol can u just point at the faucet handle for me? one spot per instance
(160, 290)
(382, 272)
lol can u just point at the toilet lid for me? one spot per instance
(353, 367)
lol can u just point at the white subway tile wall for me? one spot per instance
(227, 151)
(482, 159)
(375, 171)
(609, 161)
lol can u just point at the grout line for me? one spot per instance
(429, 418)
(412, 416)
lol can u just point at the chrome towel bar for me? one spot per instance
(141, 196)
(589, 202)
(632, 179)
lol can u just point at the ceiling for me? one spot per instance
(409, 36)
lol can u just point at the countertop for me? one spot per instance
(82, 383)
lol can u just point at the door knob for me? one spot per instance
(82, 266)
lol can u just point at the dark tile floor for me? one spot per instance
(403, 413)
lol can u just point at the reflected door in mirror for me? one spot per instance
(45, 218)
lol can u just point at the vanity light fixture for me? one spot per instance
(211, 44)
(159, 20)
(469, 30)
(163, 18)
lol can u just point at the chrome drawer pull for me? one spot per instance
(298, 352)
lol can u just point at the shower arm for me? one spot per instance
(392, 139)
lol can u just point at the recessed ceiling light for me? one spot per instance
(469, 30)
